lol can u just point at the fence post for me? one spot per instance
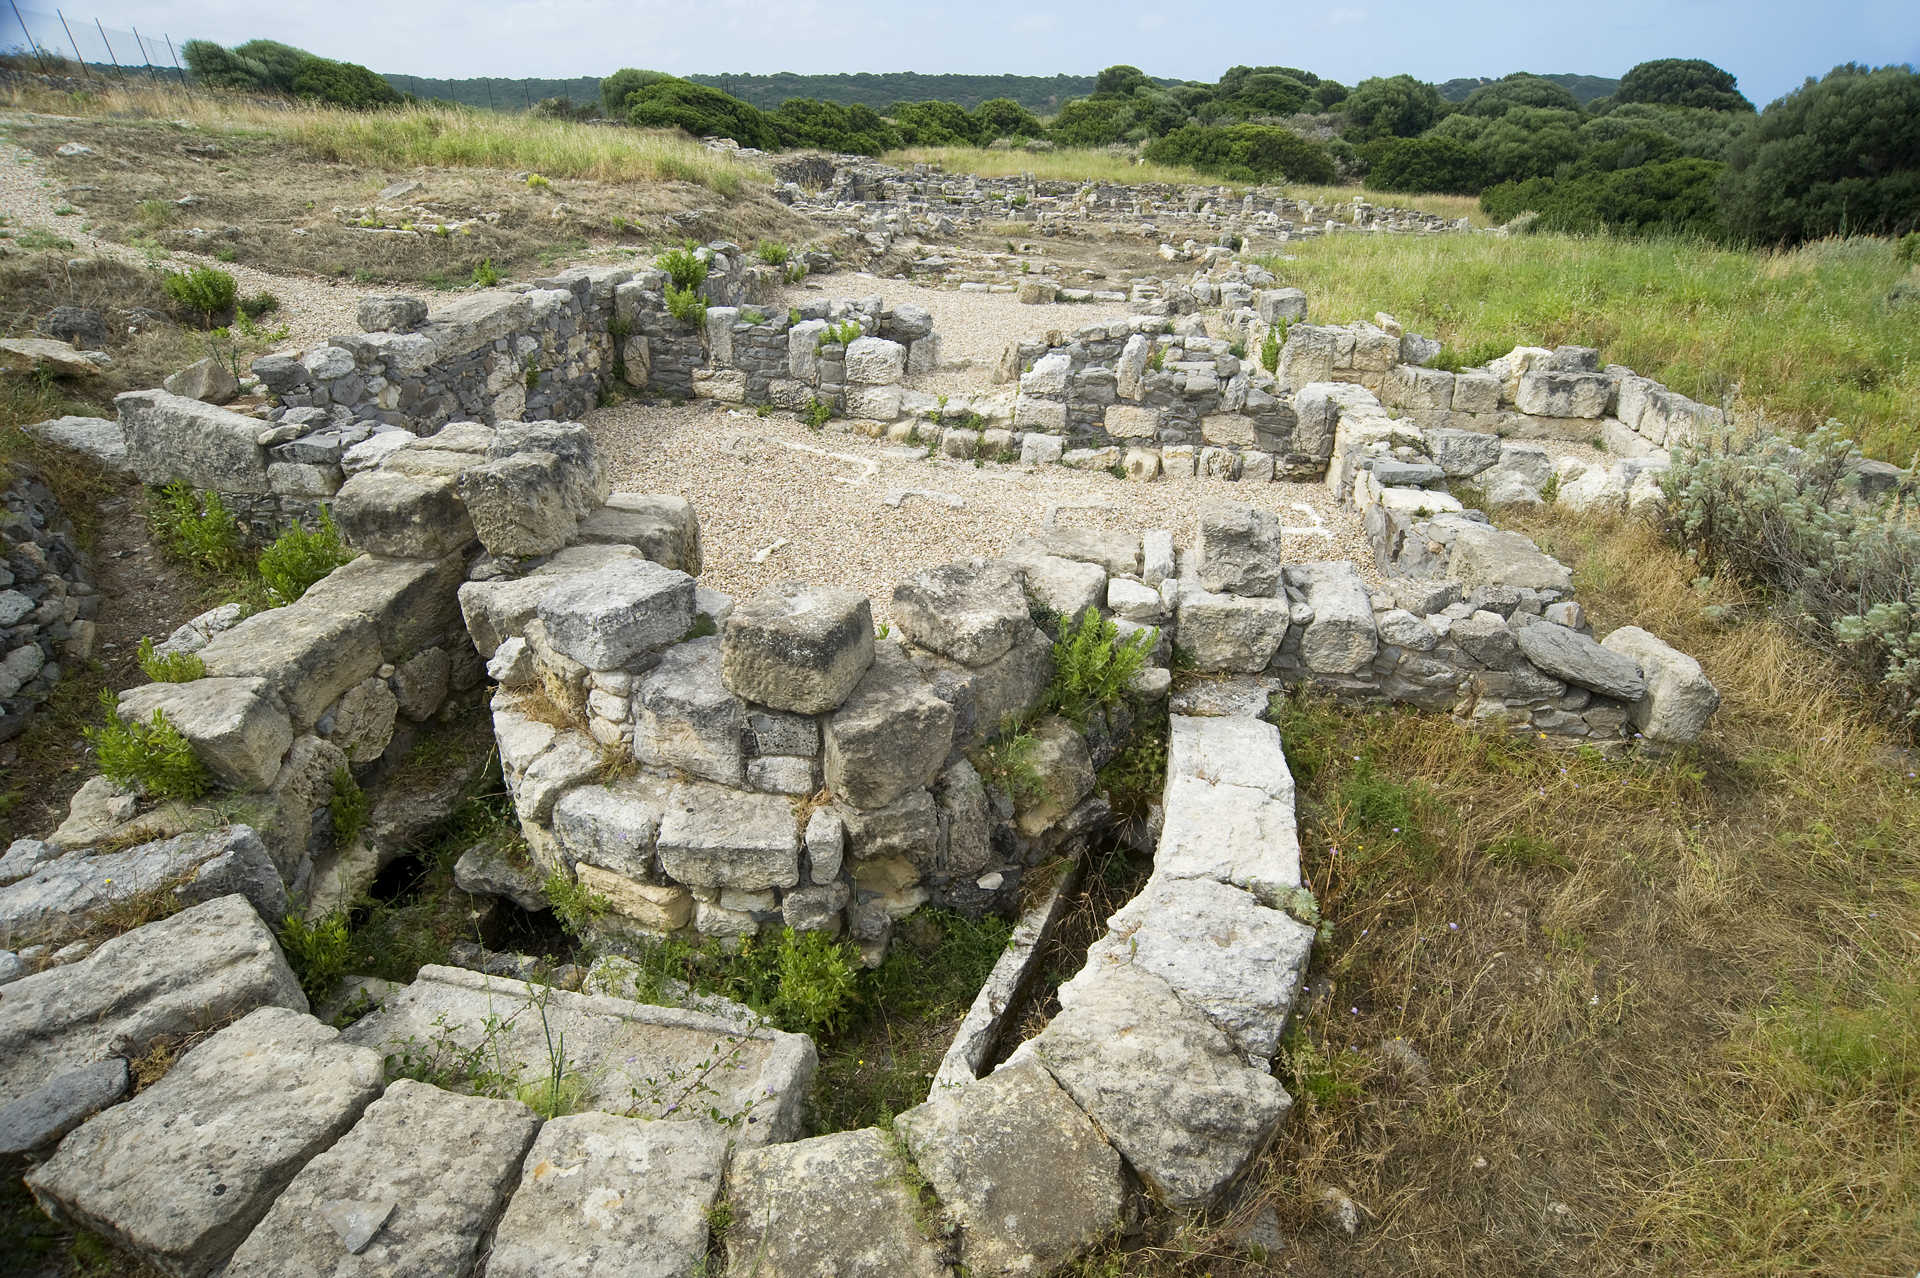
(111, 56)
(85, 70)
(182, 70)
(146, 59)
(32, 43)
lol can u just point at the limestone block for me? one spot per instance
(234, 725)
(972, 612)
(305, 655)
(1231, 632)
(1341, 638)
(403, 516)
(875, 361)
(797, 647)
(1680, 698)
(1131, 421)
(180, 1174)
(171, 437)
(1239, 549)
(837, 1204)
(1059, 756)
(712, 836)
(423, 1175)
(1547, 392)
(686, 718)
(889, 736)
(663, 528)
(1569, 655)
(606, 618)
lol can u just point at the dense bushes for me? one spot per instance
(672, 103)
(1846, 572)
(1244, 152)
(1683, 82)
(998, 118)
(1393, 106)
(934, 124)
(1676, 197)
(1838, 156)
(804, 122)
(1424, 164)
(267, 66)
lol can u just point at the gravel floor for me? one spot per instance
(312, 309)
(780, 502)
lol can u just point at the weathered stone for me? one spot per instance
(390, 313)
(362, 720)
(60, 896)
(170, 437)
(182, 1172)
(1680, 698)
(403, 516)
(1028, 1179)
(1551, 392)
(420, 683)
(686, 718)
(1239, 549)
(651, 907)
(40, 1118)
(486, 870)
(1485, 556)
(1231, 834)
(972, 611)
(889, 736)
(96, 437)
(1065, 776)
(834, 1204)
(826, 840)
(605, 618)
(1569, 655)
(1231, 632)
(207, 380)
(1118, 553)
(665, 529)
(601, 1194)
(1162, 1082)
(875, 361)
(234, 725)
(797, 647)
(305, 654)
(523, 504)
(413, 603)
(908, 829)
(445, 1162)
(1341, 638)
(625, 1055)
(711, 836)
(1064, 587)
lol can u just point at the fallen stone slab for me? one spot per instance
(65, 897)
(411, 602)
(1229, 750)
(834, 1204)
(1221, 951)
(306, 654)
(30, 354)
(42, 1117)
(605, 618)
(485, 870)
(797, 647)
(96, 437)
(1230, 834)
(1064, 587)
(972, 612)
(402, 516)
(1022, 1171)
(422, 1177)
(199, 968)
(170, 437)
(1680, 698)
(234, 725)
(1569, 655)
(600, 1194)
(633, 1059)
(180, 1174)
(1166, 1086)
(664, 529)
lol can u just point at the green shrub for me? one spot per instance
(1425, 164)
(687, 306)
(575, 905)
(347, 806)
(1093, 666)
(842, 334)
(204, 291)
(1244, 152)
(171, 667)
(1906, 249)
(819, 413)
(1270, 347)
(259, 304)
(817, 982)
(1846, 572)
(197, 529)
(685, 268)
(318, 951)
(299, 557)
(148, 755)
(672, 103)
(485, 274)
(773, 252)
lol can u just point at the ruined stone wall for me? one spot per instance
(47, 599)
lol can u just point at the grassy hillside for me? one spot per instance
(1799, 336)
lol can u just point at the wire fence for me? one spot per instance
(71, 44)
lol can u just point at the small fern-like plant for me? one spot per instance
(347, 807)
(684, 267)
(773, 252)
(687, 306)
(149, 755)
(1093, 665)
(301, 556)
(205, 291)
(169, 667)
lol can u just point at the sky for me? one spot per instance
(1770, 45)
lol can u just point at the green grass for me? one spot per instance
(1797, 336)
(1065, 165)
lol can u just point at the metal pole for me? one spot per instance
(32, 44)
(75, 43)
(146, 58)
(177, 67)
(110, 54)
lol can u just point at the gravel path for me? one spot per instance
(780, 502)
(312, 309)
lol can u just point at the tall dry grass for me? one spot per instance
(433, 135)
(1797, 336)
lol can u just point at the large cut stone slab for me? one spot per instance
(605, 618)
(1230, 750)
(234, 725)
(181, 1173)
(1064, 587)
(834, 1204)
(713, 836)
(38, 1119)
(416, 1184)
(612, 826)
(402, 516)
(1065, 770)
(1680, 698)
(1341, 638)
(686, 718)
(1486, 556)
(972, 612)
(1023, 1172)
(60, 898)
(664, 529)
(1220, 950)
(413, 603)
(1231, 632)
(1230, 834)
(521, 505)
(601, 1194)
(306, 654)
(202, 966)
(631, 1058)
(1239, 548)
(1165, 1085)
(1570, 655)
(171, 437)
(798, 647)
(889, 736)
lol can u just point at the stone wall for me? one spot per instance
(47, 599)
